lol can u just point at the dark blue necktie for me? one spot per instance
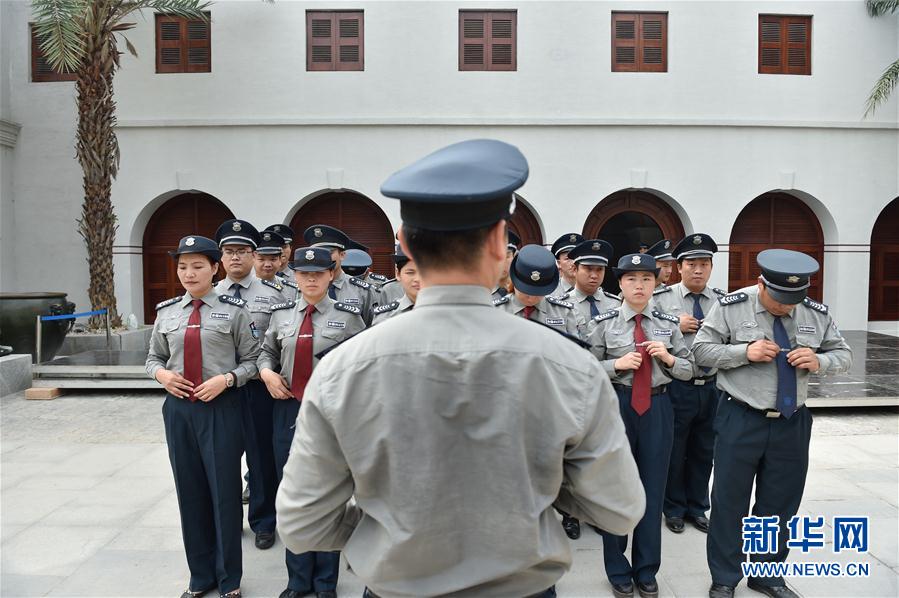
(236, 287)
(786, 374)
(697, 313)
(594, 311)
(332, 292)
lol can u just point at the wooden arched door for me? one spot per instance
(630, 217)
(525, 224)
(357, 216)
(774, 220)
(184, 214)
(883, 292)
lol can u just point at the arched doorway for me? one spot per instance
(357, 216)
(525, 224)
(185, 214)
(774, 220)
(629, 217)
(883, 293)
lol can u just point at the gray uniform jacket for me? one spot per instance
(612, 335)
(332, 323)
(739, 319)
(604, 301)
(563, 289)
(457, 429)
(674, 301)
(391, 291)
(352, 291)
(225, 330)
(558, 313)
(259, 295)
(394, 308)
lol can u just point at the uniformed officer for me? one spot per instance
(408, 279)
(193, 353)
(664, 260)
(765, 340)
(288, 235)
(238, 240)
(641, 349)
(267, 262)
(393, 290)
(298, 331)
(560, 250)
(644, 247)
(456, 427)
(346, 289)
(356, 263)
(535, 276)
(694, 401)
(590, 260)
(505, 283)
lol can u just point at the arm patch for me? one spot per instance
(668, 317)
(660, 290)
(232, 300)
(285, 305)
(271, 283)
(501, 301)
(360, 283)
(385, 308)
(560, 302)
(348, 308)
(612, 313)
(168, 302)
(733, 298)
(815, 305)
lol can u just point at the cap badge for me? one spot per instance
(317, 232)
(266, 236)
(236, 227)
(792, 279)
(190, 242)
(310, 255)
(667, 244)
(635, 259)
(596, 247)
(277, 228)
(535, 276)
(697, 240)
(572, 238)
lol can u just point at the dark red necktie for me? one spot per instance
(302, 357)
(193, 350)
(528, 310)
(642, 383)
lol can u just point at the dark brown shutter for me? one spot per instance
(182, 45)
(335, 41)
(41, 71)
(639, 42)
(654, 42)
(472, 41)
(785, 45)
(624, 42)
(883, 292)
(488, 41)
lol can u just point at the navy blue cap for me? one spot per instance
(357, 245)
(464, 186)
(533, 271)
(693, 246)
(198, 244)
(566, 242)
(636, 262)
(356, 262)
(644, 245)
(311, 259)
(592, 252)
(270, 243)
(237, 232)
(514, 240)
(399, 257)
(661, 251)
(283, 230)
(787, 274)
(322, 235)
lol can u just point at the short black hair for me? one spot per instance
(401, 263)
(445, 249)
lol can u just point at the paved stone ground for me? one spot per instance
(88, 507)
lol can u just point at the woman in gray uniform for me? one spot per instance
(297, 332)
(193, 350)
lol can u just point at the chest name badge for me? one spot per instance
(555, 321)
(660, 332)
(351, 301)
(261, 299)
(807, 329)
(336, 324)
(749, 324)
(219, 316)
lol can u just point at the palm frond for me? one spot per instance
(882, 89)
(877, 8)
(190, 9)
(59, 27)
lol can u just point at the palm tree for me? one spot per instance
(79, 36)
(890, 76)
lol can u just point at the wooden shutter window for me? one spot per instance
(639, 42)
(785, 45)
(334, 41)
(488, 40)
(183, 45)
(41, 71)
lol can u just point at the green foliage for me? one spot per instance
(887, 82)
(877, 8)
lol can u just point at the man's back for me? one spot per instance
(455, 427)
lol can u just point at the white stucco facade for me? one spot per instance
(261, 133)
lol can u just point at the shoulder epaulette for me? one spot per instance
(290, 283)
(660, 290)
(271, 283)
(360, 283)
(560, 302)
(570, 337)
(815, 305)
(285, 305)
(168, 302)
(718, 291)
(733, 298)
(611, 296)
(605, 315)
(232, 300)
(281, 274)
(502, 300)
(385, 308)
(348, 308)
(656, 313)
(378, 277)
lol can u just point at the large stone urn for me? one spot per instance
(18, 315)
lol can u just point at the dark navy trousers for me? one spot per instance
(205, 442)
(687, 491)
(650, 437)
(773, 454)
(257, 418)
(309, 571)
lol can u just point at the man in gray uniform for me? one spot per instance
(560, 250)
(408, 279)
(591, 258)
(393, 290)
(267, 261)
(287, 234)
(445, 503)
(765, 341)
(661, 251)
(533, 279)
(505, 283)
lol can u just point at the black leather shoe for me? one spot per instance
(675, 524)
(721, 591)
(288, 593)
(701, 523)
(197, 594)
(571, 526)
(265, 540)
(773, 591)
(245, 497)
(326, 594)
(648, 589)
(623, 590)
